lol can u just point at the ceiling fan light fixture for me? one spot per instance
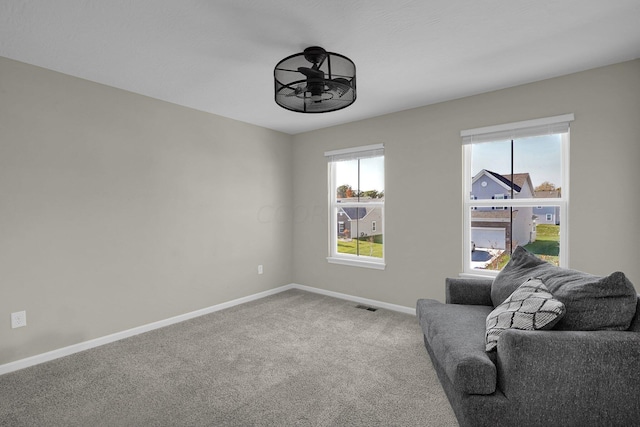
(315, 81)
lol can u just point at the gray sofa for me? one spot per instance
(562, 377)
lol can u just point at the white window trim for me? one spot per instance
(356, 261)
(556, 124)
(349, 259)
(543, 126)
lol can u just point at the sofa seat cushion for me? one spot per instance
(456, 336)
(593, 303)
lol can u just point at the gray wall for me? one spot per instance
(424, 180)
(118, 210)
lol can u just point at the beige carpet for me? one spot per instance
(291, 359)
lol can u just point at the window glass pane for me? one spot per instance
(348, 226)
(371, 187)
(494, 234)
(546, 241)
(359, 231)
(537, 168)
(490, 236)
(541, 158)
(491, 170)
(346, 173)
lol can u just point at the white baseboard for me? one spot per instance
(86, 345)
(371, 302)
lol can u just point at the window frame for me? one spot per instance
(334, 256)
(515, 130)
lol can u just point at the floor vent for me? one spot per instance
(366, 307)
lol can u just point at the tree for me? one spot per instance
(373, 194)
(546, 186)
(344, 191)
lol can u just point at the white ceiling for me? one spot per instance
(218, 55)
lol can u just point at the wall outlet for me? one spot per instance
(260, 269)
(18, 319)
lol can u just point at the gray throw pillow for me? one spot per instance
(592, 302)
(530, 307)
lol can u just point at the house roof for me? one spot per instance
(519, 179)
(355, 213)
(505, 179)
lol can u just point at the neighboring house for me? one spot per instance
(548, 214)
(498, 227)
(359, 222)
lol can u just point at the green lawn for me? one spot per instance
(546, 247)
(547, 241)
(366, 248)
(547, 244)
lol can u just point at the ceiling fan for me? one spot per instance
(315, 81)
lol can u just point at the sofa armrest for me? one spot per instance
(468, 291)
(571, 377)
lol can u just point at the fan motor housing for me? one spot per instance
(315, 81)
(315, 54)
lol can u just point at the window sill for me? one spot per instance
(478, 275)
(357, 263)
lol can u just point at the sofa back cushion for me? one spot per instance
(635, 323)
(592, 302)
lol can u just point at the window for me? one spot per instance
(518, 176)
(356, 206)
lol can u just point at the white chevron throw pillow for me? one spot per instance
(530, 307)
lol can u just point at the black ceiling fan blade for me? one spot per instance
(317, 66)
(312, 73)
(336, 76)
(296, 88)
(286, 69)
(339, 82)
(340, 86)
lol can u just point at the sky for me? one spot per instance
(540, 156)
(371, 173)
